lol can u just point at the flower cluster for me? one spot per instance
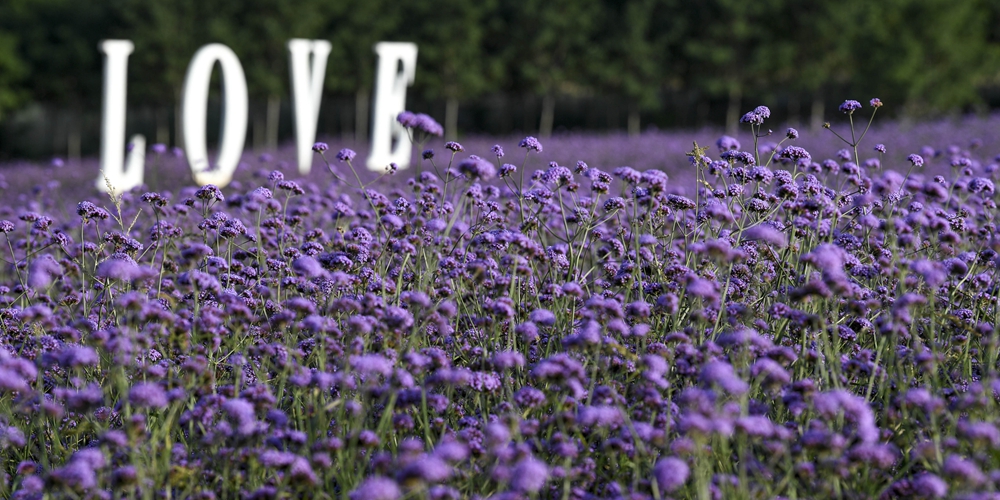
(789, 325)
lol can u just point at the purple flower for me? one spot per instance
(308, 267)
(42, 271)
(600, 416)
(766, 233)
(74, 356)
(407, 119)
(542, 317)
(529, 475)
(702, 288)
(122, 267)
(77, 475)
(346, 154)
(755, 117)
(670, 473)
(727, 143)
(497, 150)
(147, 395)
(933, 272)
(928, 485)
(319, 147)
(427, 154)
(505, 360)
(850, 106)
(531, 143)
(377, 488)
(476, 168)
(721, 374)
(427, 468)
(964, 469)
(791, 133)
(371, 364)
(453, 146)
(420, 122)
(875, 102)
(159, 148)
(795, 153)
(241, 412)
(880, 148)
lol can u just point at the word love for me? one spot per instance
(395, 71)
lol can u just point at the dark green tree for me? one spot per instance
(451, 57)
(353, 27)
(549, 48)
(57, 40)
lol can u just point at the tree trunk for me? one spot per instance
(451, 119)
(548, 115)
(162, 126)
(259, 128)
(179, 121)
(733, 110)
(73, 141)
(273, 115)
(361, 107)
(794, 113)
(816, 120)
(346, 130)
(633, 120)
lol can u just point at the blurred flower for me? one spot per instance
(670, 473)
(377, 488)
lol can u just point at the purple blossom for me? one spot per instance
(346, 155)
(727, 143)
(928, 485)
(320, 147)
(850, 106)
(371, 364)
(476, 168)
(377, 488)
(531, 144)
(147, 395)
(242, 414)
(529, 475)
(670, 473)
(722, 374)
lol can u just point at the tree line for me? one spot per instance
(923, 56)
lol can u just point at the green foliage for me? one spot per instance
(933, 55)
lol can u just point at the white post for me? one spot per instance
(391, 81)
(234, 116)
(307, 91)
(113, 170)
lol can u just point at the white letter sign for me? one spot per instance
(113, 170)
(307, 90)
(391, 81)
(234, 116)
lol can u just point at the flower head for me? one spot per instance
(346, 154)
(319, 147)
(850, 106)
(531, 143)
(670, 473)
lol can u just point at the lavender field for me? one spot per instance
(783, 315)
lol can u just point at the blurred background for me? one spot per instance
(501, 67)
